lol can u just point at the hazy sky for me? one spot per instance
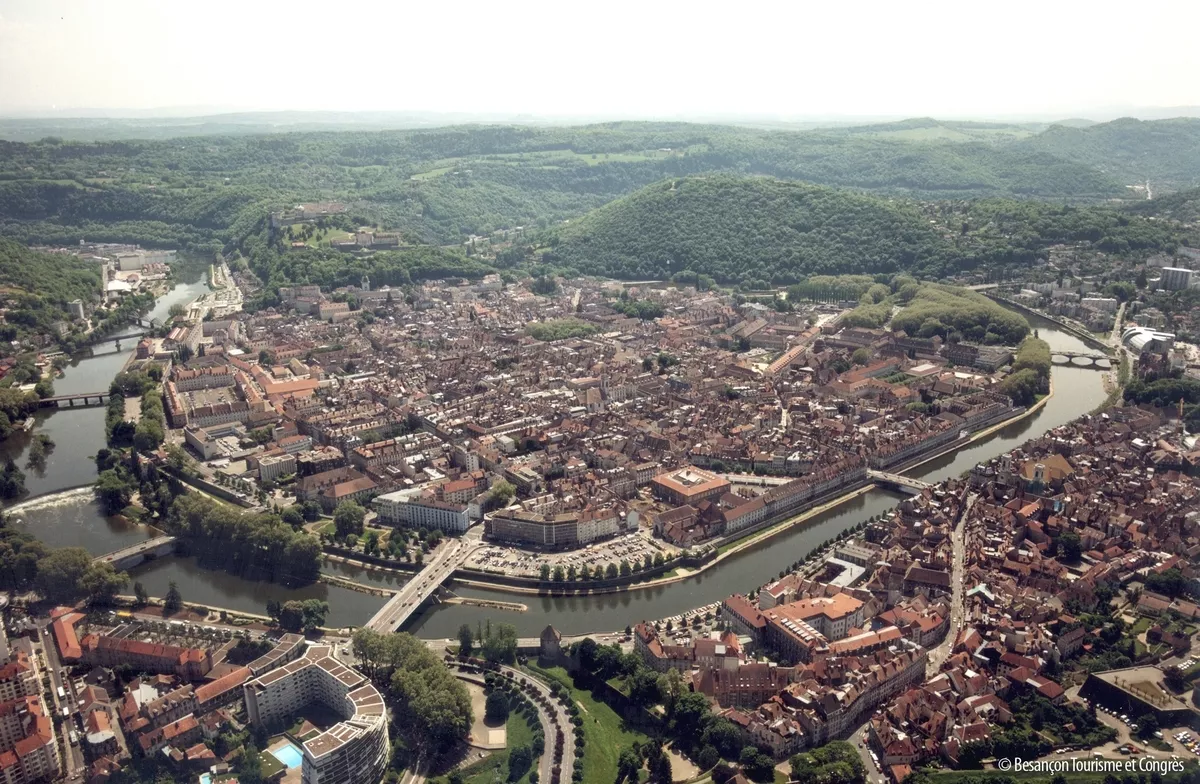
(641, 58)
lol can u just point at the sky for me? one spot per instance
(621, 58)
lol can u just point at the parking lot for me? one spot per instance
(634, 547)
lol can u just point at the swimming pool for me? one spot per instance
(289, 755)
(205, 778)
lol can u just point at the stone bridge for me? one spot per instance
(897, 482)
(133, 555)
(1082, 359)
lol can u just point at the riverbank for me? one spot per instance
(990, 430)
(342, 582)
(739, 546)
(1074, 331)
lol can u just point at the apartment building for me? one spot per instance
(18, 678)
(558, 530)
(354, 750)
(413, 508)
(28, 748)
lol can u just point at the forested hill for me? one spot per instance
(36, 287)
(1166, 152)
(447, 183)
(758, 230)
(751, 229)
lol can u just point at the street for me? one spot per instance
(939, 654)
(73, 762)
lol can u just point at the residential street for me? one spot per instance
(939, 654)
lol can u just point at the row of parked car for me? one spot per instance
(1189, 742)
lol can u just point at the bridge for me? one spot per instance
(904, 484)
(133, 555)
(420, 588)
(78, 400)
(1083, 359)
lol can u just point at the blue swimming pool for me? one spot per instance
(205, 778)
(289, 755)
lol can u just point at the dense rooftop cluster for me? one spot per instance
(430, 398)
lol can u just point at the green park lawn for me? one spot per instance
(495, 766)
(604, 732)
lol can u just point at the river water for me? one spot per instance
(74, 519)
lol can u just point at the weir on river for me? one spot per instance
(74, 519)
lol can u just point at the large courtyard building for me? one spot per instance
(355, 749)
(689, 485)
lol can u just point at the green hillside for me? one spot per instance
(446, 183)
(36, 287)
(1166, 152)
(747, 229)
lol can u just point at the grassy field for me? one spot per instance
(495, 766)
(603, 731)
(432, 174)
(321, 237)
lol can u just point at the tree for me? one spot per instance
(861, 356)
(1174, 678)
(173, 601)
(501, 494)
(586, 651)
(348, 519)
(464, 640)
(496, 706)
(114, 491)
(293, 517)
(560, 574)
(544, 572)
(101, 583)
(60, 572)
(756, 765)
(645, 687)
(520, 760)
(724, 736)
(304, 615)
(140, 595)
(691, 715)
(500, 646)
(1071, 546)
(659, 764)
(12, 481)
(629, 762)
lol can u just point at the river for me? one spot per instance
(74, 519)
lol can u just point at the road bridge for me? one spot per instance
(897, 482)
(133, 555)
(396, 612)
(78, 400)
